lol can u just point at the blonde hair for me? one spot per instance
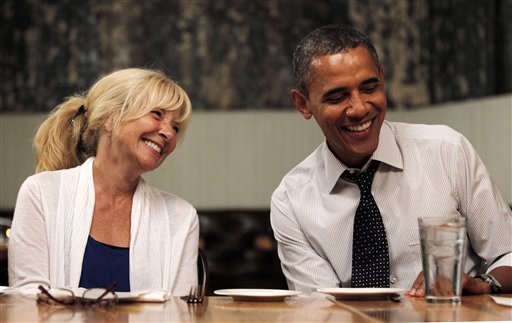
(71, 132)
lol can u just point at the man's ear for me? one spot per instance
(301, 103)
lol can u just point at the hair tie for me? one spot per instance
(81, 111)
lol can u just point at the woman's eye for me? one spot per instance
(157, 113)
(176, 128)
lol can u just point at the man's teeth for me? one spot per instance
(360, 127)
(153, 145)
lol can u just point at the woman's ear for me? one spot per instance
(301, 103)
(108, 125)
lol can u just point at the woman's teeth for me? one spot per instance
(153, 146)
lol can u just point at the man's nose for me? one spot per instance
(357, 108)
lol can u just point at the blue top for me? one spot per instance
(104, 264)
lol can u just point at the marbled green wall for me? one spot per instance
(236, 54)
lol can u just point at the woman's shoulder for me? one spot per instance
(174, 201)
(49, 177)
(43, 178)
(48, 182)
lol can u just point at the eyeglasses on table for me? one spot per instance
(90, 297)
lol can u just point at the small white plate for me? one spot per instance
(507, 301)
(257, 295)
(361, 293)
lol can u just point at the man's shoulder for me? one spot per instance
(303, 173)
(415, 131)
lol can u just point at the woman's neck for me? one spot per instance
(110, 179)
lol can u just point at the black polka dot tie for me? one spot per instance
(370, 258)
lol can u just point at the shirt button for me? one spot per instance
(393, 280)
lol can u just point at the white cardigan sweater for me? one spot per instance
(51, 224)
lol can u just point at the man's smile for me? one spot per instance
(358, 127)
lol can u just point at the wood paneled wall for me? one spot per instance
(236, 55)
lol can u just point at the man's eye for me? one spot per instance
(335, 99)
(370, 89)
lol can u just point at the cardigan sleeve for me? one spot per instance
(186, 275)
(28, 245)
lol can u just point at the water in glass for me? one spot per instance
(442, 248)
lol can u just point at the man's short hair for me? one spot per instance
(326, 40)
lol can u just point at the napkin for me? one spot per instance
(145, 296)
(153, 296)
(156, 296)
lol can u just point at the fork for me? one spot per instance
(196, 294)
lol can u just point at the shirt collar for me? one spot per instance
(387, 152)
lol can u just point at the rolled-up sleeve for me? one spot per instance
(489, 217)
(304, 268)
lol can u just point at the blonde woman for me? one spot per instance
(88, 218)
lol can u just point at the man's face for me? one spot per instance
(347, 99)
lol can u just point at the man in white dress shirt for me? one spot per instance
(424, 171)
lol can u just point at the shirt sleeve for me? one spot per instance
(304, 268)
(489, 218)
(28, 245)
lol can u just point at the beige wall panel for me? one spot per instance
(236, 159)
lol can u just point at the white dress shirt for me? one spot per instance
(425, 171)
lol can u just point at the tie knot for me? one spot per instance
(363, 179)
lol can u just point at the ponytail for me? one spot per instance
(58, 141)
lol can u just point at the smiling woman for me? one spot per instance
(88, 218)
(72, 132)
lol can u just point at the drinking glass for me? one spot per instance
(443, 243)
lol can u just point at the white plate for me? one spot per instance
(361, 293)
(261, 295)
(507, 301)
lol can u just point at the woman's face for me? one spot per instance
(145, 143)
